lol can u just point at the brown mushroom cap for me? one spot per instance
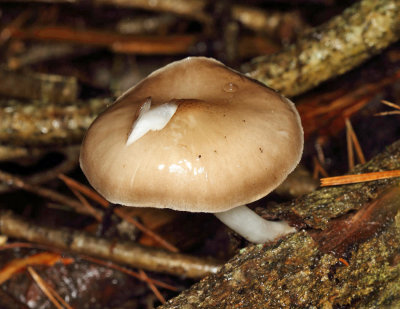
(231, 141)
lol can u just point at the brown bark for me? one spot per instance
(353, 261)
(316, 209)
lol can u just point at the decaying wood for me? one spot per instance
(36, 86)
(331, 49)
(38, 124)
(124, 252)
(316, 209)
(353, 262)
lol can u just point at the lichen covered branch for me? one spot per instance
(48, 123)
(331, 49)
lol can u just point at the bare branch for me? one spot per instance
(121, 252)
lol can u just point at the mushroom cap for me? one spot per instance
(231, 141)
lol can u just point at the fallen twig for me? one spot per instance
(337, 46)
(93, 260)
(121, 43)
(352, 141)
(44, 287)
(121, 252)
(348, 179)
(395, 106)
(118, 211)
(152, 287)
(37, 124)
(130, 273)
(43, 258)
(17, 182)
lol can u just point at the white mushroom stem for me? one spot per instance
(251, 226)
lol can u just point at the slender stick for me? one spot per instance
(348, 179)
(117, 42)
(85, 203)
(90, 193)
(318, 169)
(355, 142)
(152, 287)
(130, 273)
(349, 142)
(118, 211)
(395, 106)
(388, 113)
(57, 296)
(17, 182)
(120, 252)
(93, 260)
(39, 281)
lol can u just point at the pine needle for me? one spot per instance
(349, 179)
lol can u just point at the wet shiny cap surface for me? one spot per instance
(230, 140)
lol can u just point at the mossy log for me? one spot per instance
(345, 256)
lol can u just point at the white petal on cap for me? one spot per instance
(230, 141)
(151, 119)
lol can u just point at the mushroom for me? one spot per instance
(196, 136)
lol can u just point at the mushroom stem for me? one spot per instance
(251, 226)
